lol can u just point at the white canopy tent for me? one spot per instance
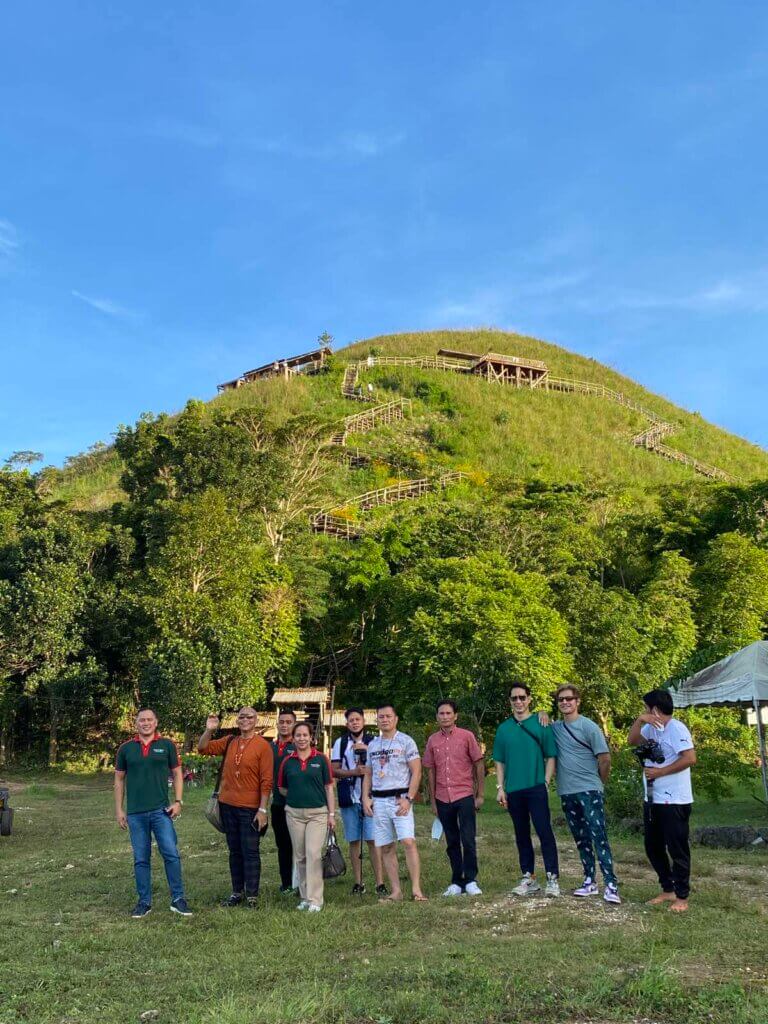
(740, 680)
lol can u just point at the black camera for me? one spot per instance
(650, 750)
(361, 756)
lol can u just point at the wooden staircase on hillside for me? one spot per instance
(349, 388)
(371, 419)
(332, 523)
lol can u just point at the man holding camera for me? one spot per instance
(348, 758)
(666, 746)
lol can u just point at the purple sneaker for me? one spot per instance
(589, 888)
(611, 894)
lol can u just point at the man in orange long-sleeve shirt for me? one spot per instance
(246, 782)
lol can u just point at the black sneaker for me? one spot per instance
(252, 902)
(141, 910)
(231, 901)
(180, 906)
(382, 890)
(288, 890)
(358, 889)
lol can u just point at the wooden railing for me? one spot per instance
(420, 362)
(377, 416)
(688, 460)
(332, 523)
(335, 526)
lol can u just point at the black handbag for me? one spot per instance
(212, 811)
(333, 859)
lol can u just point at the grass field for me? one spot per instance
(71, 955)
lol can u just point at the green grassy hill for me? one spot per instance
(463, 422)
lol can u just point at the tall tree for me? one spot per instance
(732, 580)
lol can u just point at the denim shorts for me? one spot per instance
(356, 825)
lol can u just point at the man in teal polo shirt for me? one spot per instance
(524, 751)
(141, 776)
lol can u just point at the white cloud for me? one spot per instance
(496, 303)
(186, 133)
(9, 243)
(369, 144)
(357, 144)
(744, 293)
(106, 306)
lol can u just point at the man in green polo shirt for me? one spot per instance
(142, 768)
(524, 751)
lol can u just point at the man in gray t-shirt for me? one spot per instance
(583, 765)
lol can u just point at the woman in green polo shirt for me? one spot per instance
(306, 781)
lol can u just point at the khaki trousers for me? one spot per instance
(308, 827)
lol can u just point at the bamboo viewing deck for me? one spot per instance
(336, 525)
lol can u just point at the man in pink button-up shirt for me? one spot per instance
(456, 773)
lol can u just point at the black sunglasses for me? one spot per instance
(524, 697)
(566, 700)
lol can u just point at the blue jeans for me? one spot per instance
(142, 827)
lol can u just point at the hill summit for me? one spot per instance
(577, 420)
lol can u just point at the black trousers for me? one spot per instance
(243, 843)
(532, 805)
(459, 820)
(666, 836)
(284, 846)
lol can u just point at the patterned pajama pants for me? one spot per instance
(585, 814)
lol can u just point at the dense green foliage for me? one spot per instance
(565, 555)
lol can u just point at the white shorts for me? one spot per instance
(388, 827)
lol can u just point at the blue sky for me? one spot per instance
(188, 189)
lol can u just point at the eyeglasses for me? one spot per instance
(566, 700)
(246, 716)
(524, 697)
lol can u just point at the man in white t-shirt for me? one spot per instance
(390, 785)
(668, 797)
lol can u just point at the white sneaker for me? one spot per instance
(588, 888)
(527, 885)
(312, 908)
(552, 888)
(473, 889)
(453, 890)
(611, 894)
(303, 905)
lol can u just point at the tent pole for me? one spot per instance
(761, 741)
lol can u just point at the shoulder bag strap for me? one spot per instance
(576, 738)
(534, 737)
(221, 767)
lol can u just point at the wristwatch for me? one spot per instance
(179, 802)
(262, 810)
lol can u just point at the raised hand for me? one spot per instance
(212, 723)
